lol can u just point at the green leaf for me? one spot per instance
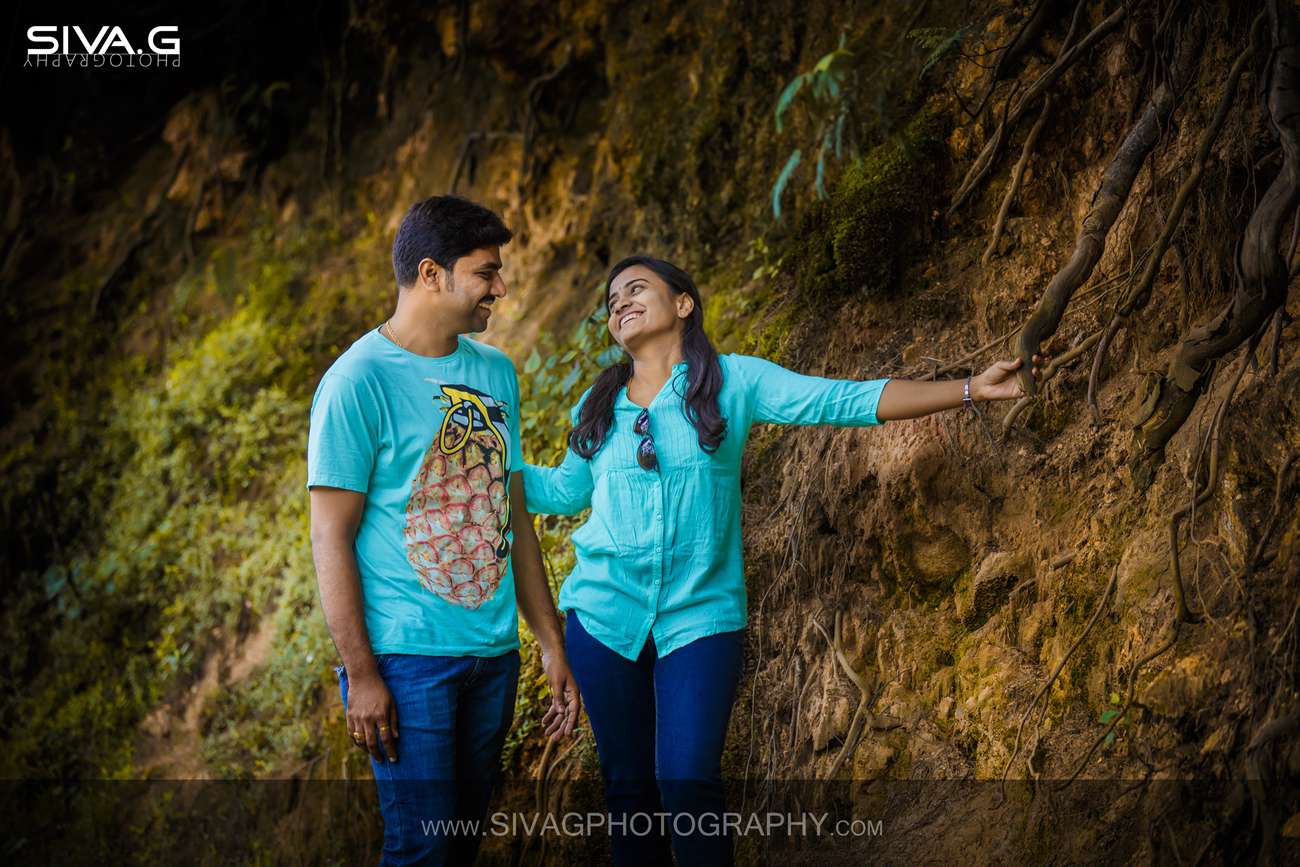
(55, 579)
(819, 86)
(826, 62)
(268, 94)
(533, 362)
(787, 96)
(832, 81)
(943, 47)
(1110, 739)
(821, 164)
(569, 380)
(1108, 714)
(1114, 698)
(927, 37)
(783, 179)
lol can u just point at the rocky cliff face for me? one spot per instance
(1100, 583)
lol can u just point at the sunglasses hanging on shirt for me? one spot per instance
(645, 452)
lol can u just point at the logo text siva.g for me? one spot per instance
(65, 39)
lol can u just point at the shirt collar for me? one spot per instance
(623, 399)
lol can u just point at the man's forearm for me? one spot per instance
(340, 595)
(532, 593)
(906, 398)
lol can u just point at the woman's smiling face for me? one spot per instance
(641, 306)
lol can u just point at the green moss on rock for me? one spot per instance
(857, 241)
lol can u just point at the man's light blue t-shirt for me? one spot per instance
(661, 552)
(432, 443)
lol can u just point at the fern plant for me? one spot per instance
(849, 95)
(828, 84)
(939, 41)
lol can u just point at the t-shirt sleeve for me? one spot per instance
(516, 425)
(343, 438)
(781, 396)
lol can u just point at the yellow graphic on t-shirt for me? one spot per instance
(458, 512)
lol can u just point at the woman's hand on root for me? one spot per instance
(1000, 382)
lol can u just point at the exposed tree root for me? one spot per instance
(1182, 613)
(1275, 349)
(933, 371)
(1211, 483)
(546, 770)
(524, 135)
(799, 693)
(530, 120)
(1047, 686)
(1128, 703)
(1185, 287)
(1107, 202)
(1273, 730)
(470, 140)
(863, 718)
(1057, 363)
(1258, 556)
(1262, 274)
(1138, 295)
(1027, 35)
(1017, 174)
(1069, 56)
(1096, 293)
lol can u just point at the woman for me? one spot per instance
(656, 601)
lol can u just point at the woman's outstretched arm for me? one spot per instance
(907, 398)
(781, 396)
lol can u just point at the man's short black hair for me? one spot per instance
(443, 228)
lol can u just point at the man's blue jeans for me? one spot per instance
(660, 725)
(453, 713)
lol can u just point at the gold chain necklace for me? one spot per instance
(393, 335)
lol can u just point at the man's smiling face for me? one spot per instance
(473, 287)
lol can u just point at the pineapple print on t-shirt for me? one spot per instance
(459, 509)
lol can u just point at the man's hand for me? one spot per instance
(372, 716)
(999, 382)
(562, 715)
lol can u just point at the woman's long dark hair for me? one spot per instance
(703, 372)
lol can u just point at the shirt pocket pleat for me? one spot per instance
(597, 537)
(724, 514)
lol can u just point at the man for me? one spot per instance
(422, 541)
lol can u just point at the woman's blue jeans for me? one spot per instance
(660, 725)
(453, 713)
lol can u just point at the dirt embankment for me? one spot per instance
(1099, 587)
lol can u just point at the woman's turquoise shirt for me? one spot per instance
(661, 553)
